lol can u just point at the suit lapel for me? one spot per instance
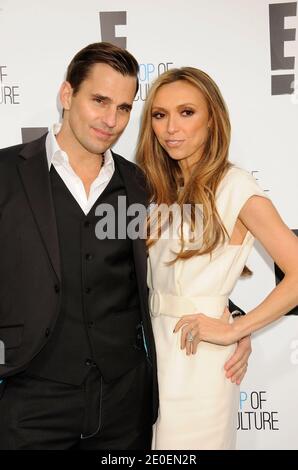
(136, 193)
(34, 172)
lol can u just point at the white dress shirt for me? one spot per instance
(59, 159)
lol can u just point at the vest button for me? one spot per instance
(57, 288)
(89, 257)
(87, 223)
(87, 290)
(90, 324)
(88, 362)
(47, 332)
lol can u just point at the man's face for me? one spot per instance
(98, 113)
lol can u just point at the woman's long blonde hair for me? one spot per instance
(164, 174)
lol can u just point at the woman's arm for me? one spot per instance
(262, 219)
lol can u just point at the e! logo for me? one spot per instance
(32, 133)
(279, 275)
(281, 84)
(108, 22)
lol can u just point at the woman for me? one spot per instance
(183, 150)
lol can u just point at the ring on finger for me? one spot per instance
(190, 337)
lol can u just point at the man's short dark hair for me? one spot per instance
(100, 53)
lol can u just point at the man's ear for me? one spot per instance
(66, 93)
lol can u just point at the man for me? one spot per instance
(80, 369)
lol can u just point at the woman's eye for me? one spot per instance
(157, 115)
(187, 112)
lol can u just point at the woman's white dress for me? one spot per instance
(198, 404)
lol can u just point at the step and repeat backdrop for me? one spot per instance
(250, 48)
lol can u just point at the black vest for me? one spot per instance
(99, 323)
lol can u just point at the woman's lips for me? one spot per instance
(174, 142)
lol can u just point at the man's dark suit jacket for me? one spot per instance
(30, 274)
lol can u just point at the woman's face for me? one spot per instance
(180, 120)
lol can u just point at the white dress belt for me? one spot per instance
(178, 306)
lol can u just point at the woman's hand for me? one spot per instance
(236, 366)
(199, 327)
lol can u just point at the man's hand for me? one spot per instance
(236, 366)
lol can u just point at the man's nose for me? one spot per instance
(110, 117)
